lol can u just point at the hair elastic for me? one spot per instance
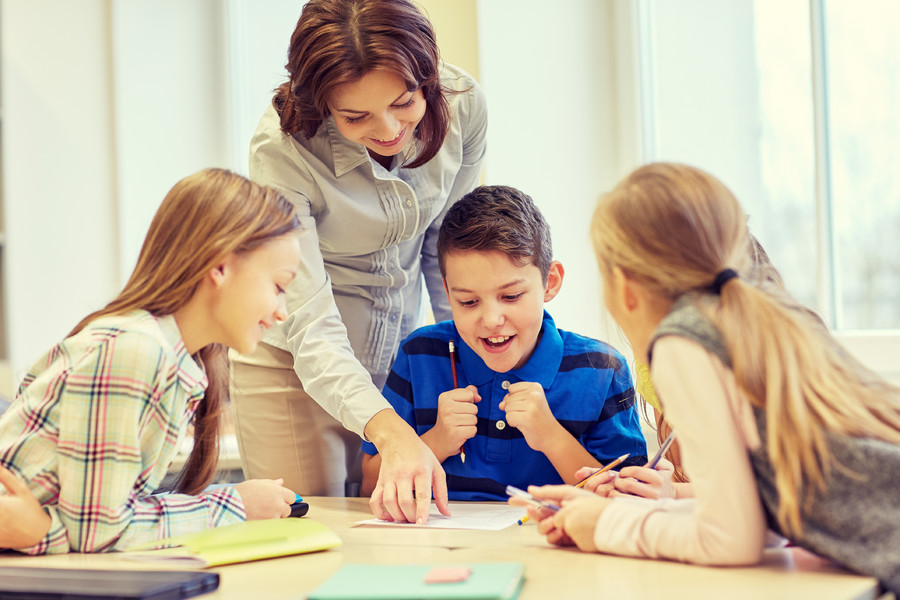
(724, 276)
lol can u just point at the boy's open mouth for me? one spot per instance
(497, 342)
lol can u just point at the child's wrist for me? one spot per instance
(436, 444)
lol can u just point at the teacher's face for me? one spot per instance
(377, 111)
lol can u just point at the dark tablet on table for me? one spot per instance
(36, 583)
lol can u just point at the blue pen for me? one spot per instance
(662, 450)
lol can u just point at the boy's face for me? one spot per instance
(498, 307)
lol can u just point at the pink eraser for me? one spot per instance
(447, 574)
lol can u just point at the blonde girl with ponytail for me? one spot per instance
(777, 423)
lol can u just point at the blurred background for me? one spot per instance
(104, 104)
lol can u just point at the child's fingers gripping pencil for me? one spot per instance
(462, 449)
(580, 483)
(517, 493)
(609, 466)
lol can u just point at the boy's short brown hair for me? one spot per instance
(497, 218)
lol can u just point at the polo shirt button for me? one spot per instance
(505, 385)
(501, 425)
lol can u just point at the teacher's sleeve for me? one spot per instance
(724, 524)
(472, 116)
(314, 332)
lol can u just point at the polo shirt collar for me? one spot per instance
(542, 366)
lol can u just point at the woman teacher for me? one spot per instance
(372, 139)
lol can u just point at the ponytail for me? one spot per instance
(789, 365)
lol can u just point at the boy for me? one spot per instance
(525, 402)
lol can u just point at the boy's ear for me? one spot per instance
(554, 280)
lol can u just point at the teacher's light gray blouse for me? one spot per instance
(368, 245)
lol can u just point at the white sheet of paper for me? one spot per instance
(464, 515)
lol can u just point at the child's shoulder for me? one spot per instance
(138, 328)
(136, 337)
(602, 353)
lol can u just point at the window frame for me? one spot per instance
(874, 348)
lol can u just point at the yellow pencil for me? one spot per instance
(603, 469)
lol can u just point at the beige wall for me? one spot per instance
(456, 25)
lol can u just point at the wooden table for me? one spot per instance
(551, 573)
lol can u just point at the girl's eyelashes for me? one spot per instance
(352, 120)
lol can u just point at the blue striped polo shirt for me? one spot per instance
(588, 388)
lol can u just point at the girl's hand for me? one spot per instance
(575, 522)
(23, 522)
(601, 484)
(265, 498)
(646, 482)
(457, 421)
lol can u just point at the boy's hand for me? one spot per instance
(527, 410)
(457, 419)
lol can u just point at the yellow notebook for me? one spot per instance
(241, 542)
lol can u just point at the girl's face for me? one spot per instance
(498, 306)
(635, 309)
(251, 292)
(377, 111)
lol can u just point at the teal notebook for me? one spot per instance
(486, 581)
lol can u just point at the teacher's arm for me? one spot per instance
(324, 361)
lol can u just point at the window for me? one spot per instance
(794, 105)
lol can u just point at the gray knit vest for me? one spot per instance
(855, 521)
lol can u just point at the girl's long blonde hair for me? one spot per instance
(204, 218)
(673, 228)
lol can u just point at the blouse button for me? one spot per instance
(408, 202)
(505, 385)
(501, 425)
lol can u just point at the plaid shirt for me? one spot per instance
(93, 429)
